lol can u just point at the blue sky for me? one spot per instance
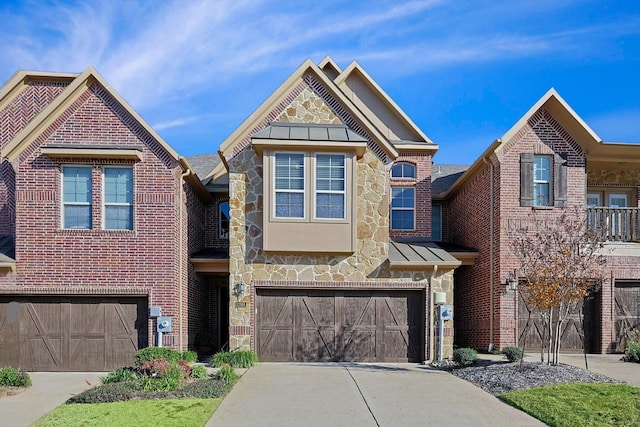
(464, 71)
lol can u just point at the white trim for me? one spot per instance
(63, 204)
(413, 209)
(305, 166)
(105, 204)
(314, 170)
(549, 201)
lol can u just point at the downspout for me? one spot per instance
(431, 306)
(181, 262)
(491, 254)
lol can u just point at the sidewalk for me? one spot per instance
(49, 390)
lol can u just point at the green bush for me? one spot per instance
(13, 377)
(152, 353)
(632, 353)
(235, 359)
(115, 392)
(465, 356)
(227, 374)
(199, 371)
(190, 356)
(120, 375)
(513, 354)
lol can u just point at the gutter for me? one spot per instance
(181, 261)
(486, 160)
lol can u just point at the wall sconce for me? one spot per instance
(512, 281)
(238, 290)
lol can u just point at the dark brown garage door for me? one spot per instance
(300, 325)
(627, 300)
(71, 334)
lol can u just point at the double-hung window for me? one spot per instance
(289, 185)
(118, 198)
(542, 181)
(403, 206)
(330, 186)
(76, 199)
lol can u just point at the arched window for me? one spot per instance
(403, 170)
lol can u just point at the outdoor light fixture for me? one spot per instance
(512, 281)
(238, 289)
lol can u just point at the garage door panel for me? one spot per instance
(58, 333)
(340, 325)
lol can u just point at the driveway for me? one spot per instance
(360, 394)
(48, 391)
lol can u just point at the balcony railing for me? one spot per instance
(619, 224)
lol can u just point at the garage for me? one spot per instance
(345, 325)
(59, 333)
(627, 312)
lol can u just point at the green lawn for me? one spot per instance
(156, 413)
(580, 404)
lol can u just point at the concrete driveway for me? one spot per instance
(360, 394)
(48, 391)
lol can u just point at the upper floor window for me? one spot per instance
(436, 223)
(224, 220)
(403, 170)
(330, 186)
(543, 180)
(118, 198)
(76, 199)
(403, 202)
(289, 185)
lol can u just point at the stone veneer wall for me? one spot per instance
(368, 267)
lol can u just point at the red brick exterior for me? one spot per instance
(143, 261)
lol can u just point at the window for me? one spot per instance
(224, 220)
(436, 223)
(76, 199)
(402, 208)
(330, 186)
(541, 180)
(289, 185)
(118, 198)
(403, 170)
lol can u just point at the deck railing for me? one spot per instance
(620, 224)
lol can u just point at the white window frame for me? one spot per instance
(549, 201)
(413, 167)
(413, 209)
(105, 204)
(64, 204)
(316, 191)
(274, 190)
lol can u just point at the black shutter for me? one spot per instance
(560, 180)
(526, 179)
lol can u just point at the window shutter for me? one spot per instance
(560, 180)
(526, 179)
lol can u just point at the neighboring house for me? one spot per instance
(97, 218)
(329, 225)
(549, 161)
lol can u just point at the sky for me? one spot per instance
(463, 71)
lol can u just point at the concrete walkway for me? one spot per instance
(48, 391)
(360, 394)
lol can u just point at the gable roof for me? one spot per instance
(254, 120)
(77, 86)
(18, 80)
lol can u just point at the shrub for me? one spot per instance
(199, 371)
(115, 392)
(513, 354)
(204, 389)
(120, 375)
(235, 359)
(152, 353)
(632, 353)
(13, 377)
(465, 356)
(190, 356)
(227, 374)
(154, 368)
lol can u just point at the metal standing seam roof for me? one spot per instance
(308, 132)
(427, 253)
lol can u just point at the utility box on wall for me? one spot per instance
(164, 324)
(446, 312)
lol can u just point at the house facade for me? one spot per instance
(549, 162)
(97, 217)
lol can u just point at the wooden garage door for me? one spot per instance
(71, 334)
(627, 309)
(300, 325)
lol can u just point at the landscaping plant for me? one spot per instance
(235, 359)
(465, 356)
(12, 377)
(632, 352)
(227, 374)
(513, 354)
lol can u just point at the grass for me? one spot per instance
(156, 413)
(580, 404)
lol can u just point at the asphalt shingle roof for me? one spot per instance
(444, 176)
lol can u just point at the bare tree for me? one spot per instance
(561, 262)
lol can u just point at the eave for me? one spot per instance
(210, 265)
(93, 152)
